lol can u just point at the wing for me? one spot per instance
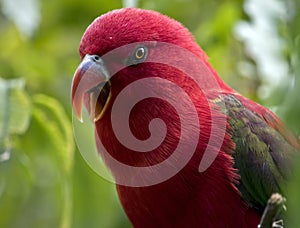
(264, 149)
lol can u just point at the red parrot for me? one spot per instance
(243, 148)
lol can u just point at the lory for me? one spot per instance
(185, 149)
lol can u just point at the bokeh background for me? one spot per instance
(44, 181)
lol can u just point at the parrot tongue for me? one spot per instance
(96, 100)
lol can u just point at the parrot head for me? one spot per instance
(139, 32)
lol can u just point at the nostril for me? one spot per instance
(96, 58)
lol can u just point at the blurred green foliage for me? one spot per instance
(292, 113)
(44, 181)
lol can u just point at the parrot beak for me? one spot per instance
(91, 86)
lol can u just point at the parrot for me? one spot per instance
(244, 149)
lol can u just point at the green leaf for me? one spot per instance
(15, 108)
(57, 125)
(35, 183)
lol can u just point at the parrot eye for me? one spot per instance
(139, 55)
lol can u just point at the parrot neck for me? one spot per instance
(174, 104)
(190, 197)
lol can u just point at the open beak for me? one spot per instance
(91, 86)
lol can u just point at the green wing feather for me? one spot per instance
(262, 154)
